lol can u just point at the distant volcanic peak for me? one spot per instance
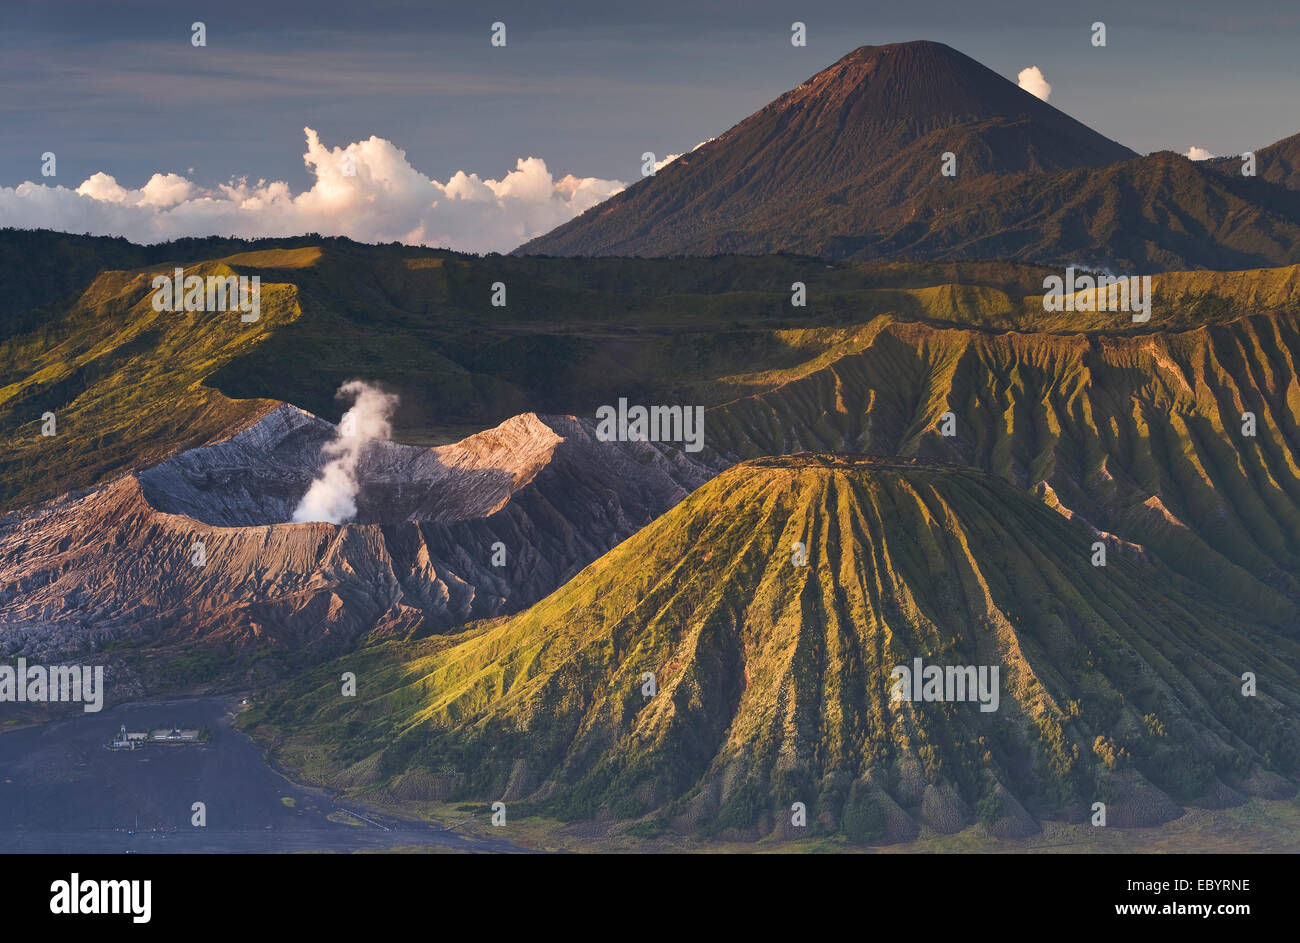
(923, 85)
(909, 80)
(833, 165)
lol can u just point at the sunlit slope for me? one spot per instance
(1119, 683)
(123, 382)
(130, 386)
(1141, 435)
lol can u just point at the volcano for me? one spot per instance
(866, 132)
(769, 612)
(851, 165)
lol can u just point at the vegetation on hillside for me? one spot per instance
(129, 386)
(1119, 684)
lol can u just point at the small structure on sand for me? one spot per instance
(131, 740)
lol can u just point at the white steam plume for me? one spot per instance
(332, 497)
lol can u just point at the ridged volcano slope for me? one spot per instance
(863, 135)
(1141, 435)
(1119, 684)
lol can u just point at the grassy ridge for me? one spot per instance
(129, 385)
(124, 383)
(1141, 435)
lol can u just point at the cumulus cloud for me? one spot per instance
(332, 497)
(1034, 82)
(1198, 153)
(660, 164)
(366, 191)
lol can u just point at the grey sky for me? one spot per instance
(586, 86)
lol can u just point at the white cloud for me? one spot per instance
(660, 164)
(385, 200)
(1198, 153)
(1034, 82)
